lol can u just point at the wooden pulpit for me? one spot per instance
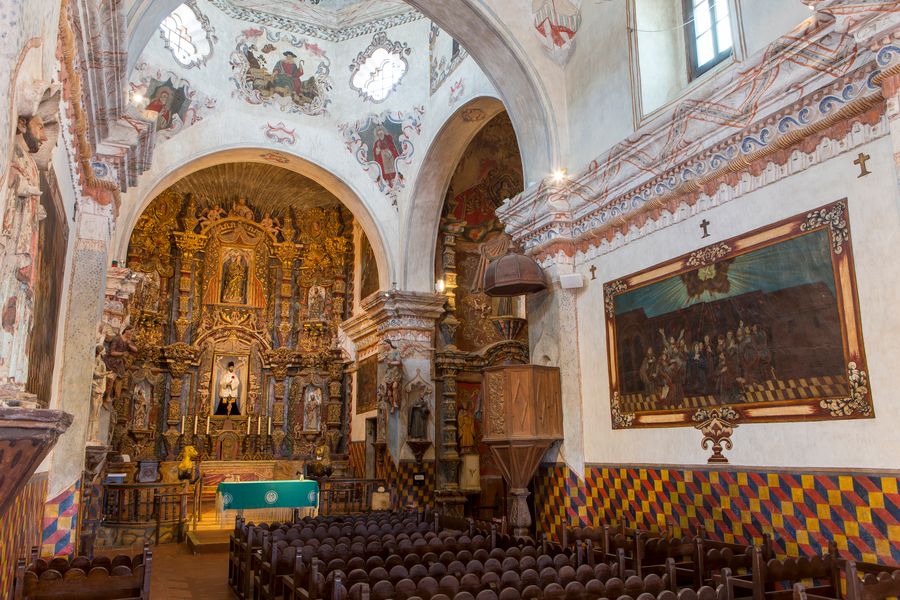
(521, 418)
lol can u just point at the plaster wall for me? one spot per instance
(600, 85)
(874, 215)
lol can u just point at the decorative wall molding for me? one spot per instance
(333, 32)
(744, 120)
(96, 101)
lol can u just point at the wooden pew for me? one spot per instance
(768, 578)
(121, 582)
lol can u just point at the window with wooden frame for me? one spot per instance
(709, 39)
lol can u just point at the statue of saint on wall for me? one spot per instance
(315, 303)
(22, 213)
(417, 428)
(141, 402)
(312, 408)
(98, 391)
(229, 388)
(465, 424)
(234, 279)
(120, 346)
(393, 375)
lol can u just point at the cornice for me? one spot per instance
(110, 149)
(707, 139)
(395, 310)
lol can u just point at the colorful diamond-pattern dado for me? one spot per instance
(802, 512)
(20, 529)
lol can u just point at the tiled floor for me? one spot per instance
(179, 575)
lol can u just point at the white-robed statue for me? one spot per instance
(229, 392)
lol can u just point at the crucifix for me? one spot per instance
(593, 271)
(861, 162)
(703, 225)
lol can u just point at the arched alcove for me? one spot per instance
(423, 217)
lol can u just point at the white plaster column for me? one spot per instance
(82, 312)
(554, 341)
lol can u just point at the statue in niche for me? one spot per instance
(393, 375)
(315, 303)
(234, 279)
(417, 428)
(465, 422)
(229, 391)
(312, 408)
(98, 391)
(140, 417)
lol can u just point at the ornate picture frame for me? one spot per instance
(765, 325)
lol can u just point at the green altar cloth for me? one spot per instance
(241, 495)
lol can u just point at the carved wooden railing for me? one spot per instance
(349, 496)
(150, 504)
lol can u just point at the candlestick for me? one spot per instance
(207, 424)
(249, 420)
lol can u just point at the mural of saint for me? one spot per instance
(168, 102)
(287, 75)
(234, 280)
(312, 403)
(385, 153)
(229, 391)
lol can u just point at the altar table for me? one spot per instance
(240, 495)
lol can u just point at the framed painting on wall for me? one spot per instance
(766, 324)
(366, 384)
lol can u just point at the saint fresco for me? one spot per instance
(169, 102)
(769, 328)
(382, 144)
(284, 70)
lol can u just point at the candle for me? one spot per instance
(270, 425)
(207, 424)
(195, 424)
(249, 419)
(258, 424)
(182, 424)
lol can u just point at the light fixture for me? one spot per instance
(559, 175)
(440, 286)
(137, 98)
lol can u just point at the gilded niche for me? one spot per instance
(238, 313)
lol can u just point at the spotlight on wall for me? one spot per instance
(559, 175)
(137, 98)
(440, 286)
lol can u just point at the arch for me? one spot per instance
(338, 187)
(423, 218)
(485, 37)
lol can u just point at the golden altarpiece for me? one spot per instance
(233, 347)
